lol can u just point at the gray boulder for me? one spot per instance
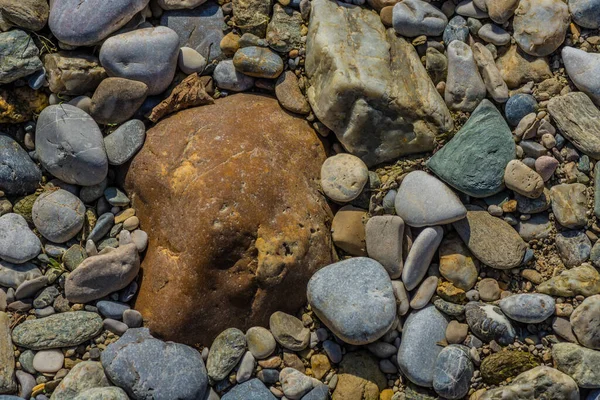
(69, 145)
(147, 55)
(58, 215)
(122, 144)
(148, 368)
(19, 56)
(18, 173)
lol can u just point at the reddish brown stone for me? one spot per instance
(229, 195)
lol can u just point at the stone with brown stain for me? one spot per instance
(359, 378)
(232, 191)
(517, 67)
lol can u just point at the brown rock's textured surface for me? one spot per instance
(238, 226)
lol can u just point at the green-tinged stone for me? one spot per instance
(7, 357)
(284, 32)
(24, 206)
(226, 351)
(73, 257)
(506, 364)
(597, 191)
(82, 378)
(474, 160)
(583, 280)
(58, 330)
(19, 56)
(579, 363)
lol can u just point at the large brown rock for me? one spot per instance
(229, 194)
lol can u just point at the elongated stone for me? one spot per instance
(583, 280)
(529, 308)
(7, 357)
(420, 255)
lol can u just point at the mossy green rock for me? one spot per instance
(24, 206)
(474, 160)
(506, 364)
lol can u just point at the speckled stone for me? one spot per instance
(488, 323)
(579, 363)
(225, 352)
(354, 298)
(569, 204)
(122, 144)
(19, 175)
(453, 372)
(503, 365)
(343, 177)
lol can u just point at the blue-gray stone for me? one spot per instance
(533, 149)
(519, 106)
(116, 197)
(268, 376)
(112, 309)
(488, 323)
(354, 298)
(103, 225)
(253, 389)
(58, 215)
(526, 205)
(69, 145)
(18, 243)
(229, 78)
(585, 13)
(148, 368)
(529, 308)
(19, 56)
(419, 350)
(456, 29)
(12, 275)
(37, 79)
(8, 397)
(46, 297)
(123, 143)
(560, 141)
(320, 392)
(84, 23)
(593, 395)
(19, 175)
(453, 372)
(475, 159)
(412, 18)
(147, 55)
(225, 352)
(200, 28)
(574, 247)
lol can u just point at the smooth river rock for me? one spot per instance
(225, 352)
(488, 323)
(492, 240)
(419, 350)
(585, 321)
(18, 244)
(354, 298)
(464, 87)
(583, 68)
(475, 159)
(540, 26)
(453, 372)
(58, 215)
(385, 105)
(529, 308)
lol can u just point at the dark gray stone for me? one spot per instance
(18, 244)
(225, 352)
(585, 13)
(488, 323)
(529, 308)
(574, 247)
(46, 297)
(200, 28)
(453, 372)
(59, 330)
(103, 225)
(250, 390)
(58, 215)
(122, 144)
(112, 309)
(69, 145)
(86, 23)
(354, 298)
(19, 56)
(456, 29)
(148, 368)
(526, 205)
(18, 173)
(321, 392)
(475, 159)
(147, 55)
(116, 197)
(519, 106)
(419, 350)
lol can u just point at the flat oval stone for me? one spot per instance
(343, 177)
(582, 67)
(354, 298)
(488, 323)
(69, 145)
(529, 308)
(48, 361)
(147, 55)
(18, 244)
(423, 200)
(86, 23)
(58, 215)
(59, 330)
(492, 240)
(289, 331)
(225, 352)
(384, 238)
(420, 256)
(259, 62)
(419, 350)
(453, 372)
(261, 342)
(18, 173)
(122, 144)
(229, 78)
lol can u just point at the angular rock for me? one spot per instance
(27, 14)
(147, 55)
(146, 367)
(19, 56)
(569, 204)
(574, 247)
(284, 32)
(453, 372)
(384, 236)
(554, 384)
(190, 92)
(83, 376)
(337, 293)
(116, 100)
(103, 274)
(73, 73)
(200, 29)
(69, 145)
(493, 241)
(58, 215)
(517, 67)
(585, 321)
(386, 105)
(550, 19)
(488, 323)
(225, 352)
(19, 175)
(359, 377)
(583, 280)
(59, 330)
(259, 256)
(464, 87)
(423, 200)
(578, 119)
(125, 142)
(295, 384)
(495, 85)
(529, 308)
(18, 244)
(7, 357)
(474, 160)
(579, 363)
(253, 389)
(498, 11)
(419, 350)
(85, 24)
